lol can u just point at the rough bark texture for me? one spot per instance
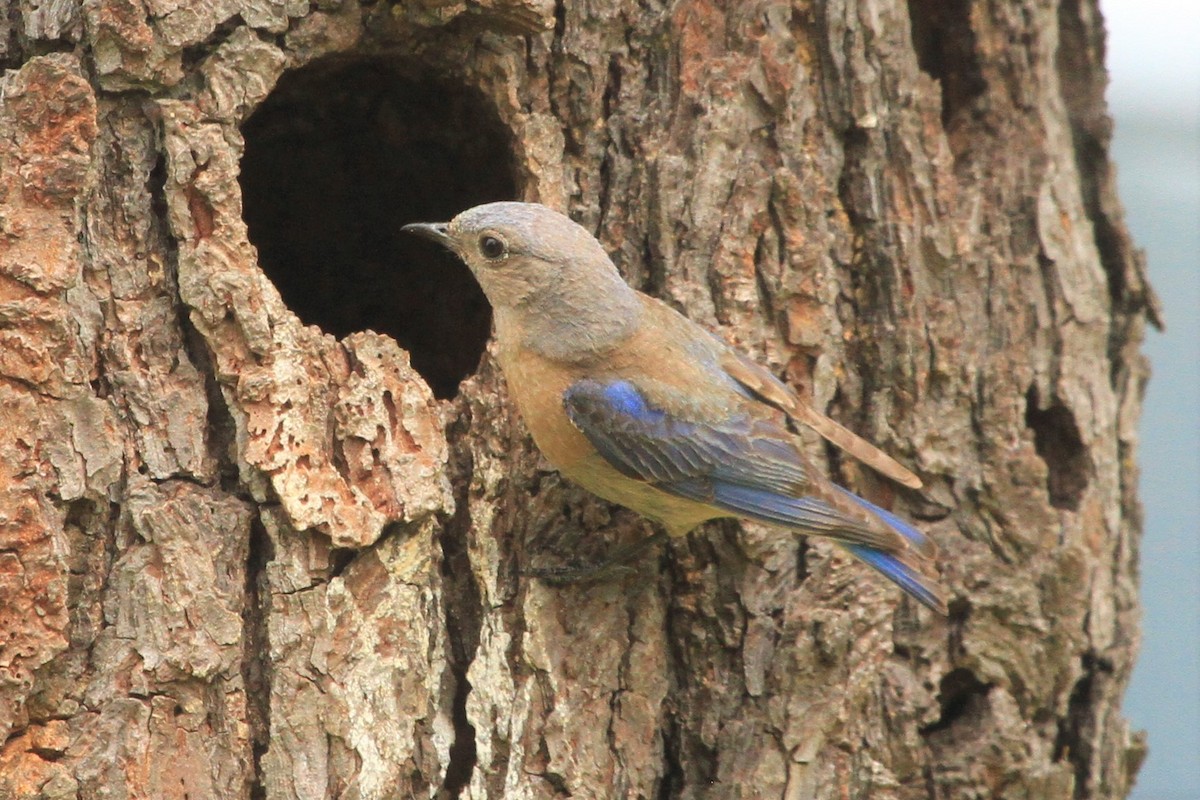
(242, 555)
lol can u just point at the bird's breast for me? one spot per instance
(537, 385)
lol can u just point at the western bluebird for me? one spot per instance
(644, 408)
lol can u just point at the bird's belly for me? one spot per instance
(679, 515)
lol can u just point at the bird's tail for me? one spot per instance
(913, 570)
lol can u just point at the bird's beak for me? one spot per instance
(435, 231)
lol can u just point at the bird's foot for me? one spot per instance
(615, 565)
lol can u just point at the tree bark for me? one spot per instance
(264, 522)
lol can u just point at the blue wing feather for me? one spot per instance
(750, 468)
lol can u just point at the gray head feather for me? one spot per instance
(533, 230)
(552, 285)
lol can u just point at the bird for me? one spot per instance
(641, 406)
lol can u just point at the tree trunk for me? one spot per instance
(265, 506)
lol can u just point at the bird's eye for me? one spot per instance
(492, 247)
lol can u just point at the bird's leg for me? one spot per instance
(613, 565)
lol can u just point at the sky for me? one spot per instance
(1154, 98)
(1153, 58)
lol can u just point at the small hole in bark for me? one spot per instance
(1074, 742)
(1057, 439)
(801, 561)
(945, 46)
(961, 696)
(339, 157)
(339, 559)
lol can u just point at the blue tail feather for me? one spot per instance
(919, 540)
(903, 574)
(910, 580)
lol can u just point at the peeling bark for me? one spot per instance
(255, 543)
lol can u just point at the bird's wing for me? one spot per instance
(769, 389)
(750, 468)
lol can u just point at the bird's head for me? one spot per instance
(549, 281)
(522, 253)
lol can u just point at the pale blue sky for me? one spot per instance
(1154, 97)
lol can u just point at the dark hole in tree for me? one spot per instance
(961, 696)
(339, 157)
(945, 45)
(1076, 731)
(1057, 440)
